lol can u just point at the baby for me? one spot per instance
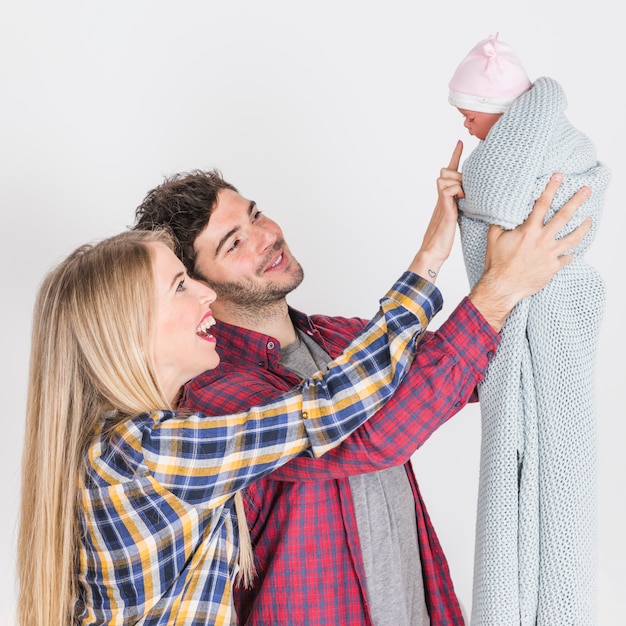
(486, 84)
(535, 527)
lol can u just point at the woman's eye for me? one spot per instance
(180, 286)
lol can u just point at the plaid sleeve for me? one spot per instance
(207, 459)
(448, 365)
(371, 368)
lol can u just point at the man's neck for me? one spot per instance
(272, 319)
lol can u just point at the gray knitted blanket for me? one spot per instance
(535, 560)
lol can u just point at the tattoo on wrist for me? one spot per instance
(432, 274)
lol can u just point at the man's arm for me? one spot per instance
(447, 368)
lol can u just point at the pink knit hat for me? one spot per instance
(489, 78)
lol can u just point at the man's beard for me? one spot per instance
(247, 297)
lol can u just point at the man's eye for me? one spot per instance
(257, 216)
(234, 245)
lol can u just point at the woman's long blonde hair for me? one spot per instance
(90, 353)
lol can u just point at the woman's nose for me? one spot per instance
(206, 294)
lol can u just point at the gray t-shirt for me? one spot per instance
(385, 514)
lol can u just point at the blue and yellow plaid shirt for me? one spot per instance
(158, 537)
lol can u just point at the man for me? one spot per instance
(344, 539)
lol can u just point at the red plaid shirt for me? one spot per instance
(302, 520)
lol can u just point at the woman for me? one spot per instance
(127, 506)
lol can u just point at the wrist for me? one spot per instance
(494, 300)
(427, 265)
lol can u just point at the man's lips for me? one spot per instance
(275, 262)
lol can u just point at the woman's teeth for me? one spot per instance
(203, 329)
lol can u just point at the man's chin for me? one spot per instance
(252, 298)
(246, 293)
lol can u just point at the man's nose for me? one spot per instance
(265, 239)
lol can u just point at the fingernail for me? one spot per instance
(557, 177)
(586, 191)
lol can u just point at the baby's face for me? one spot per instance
(477, 123)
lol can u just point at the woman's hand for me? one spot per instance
(441, 230)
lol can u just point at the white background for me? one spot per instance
(333, 116)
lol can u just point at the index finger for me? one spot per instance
(456, 156)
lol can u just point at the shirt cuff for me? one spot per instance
(418, 295)
(471, 335)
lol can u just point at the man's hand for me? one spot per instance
(520, 262)
(439, 235)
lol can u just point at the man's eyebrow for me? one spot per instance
(232, 231)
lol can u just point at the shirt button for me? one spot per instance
(261, 363)
(270, 345)
(457, 404)
(304, 415)
(490, 354)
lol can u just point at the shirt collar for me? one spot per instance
(237, 344)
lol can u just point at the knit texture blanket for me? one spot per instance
(535, 555)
